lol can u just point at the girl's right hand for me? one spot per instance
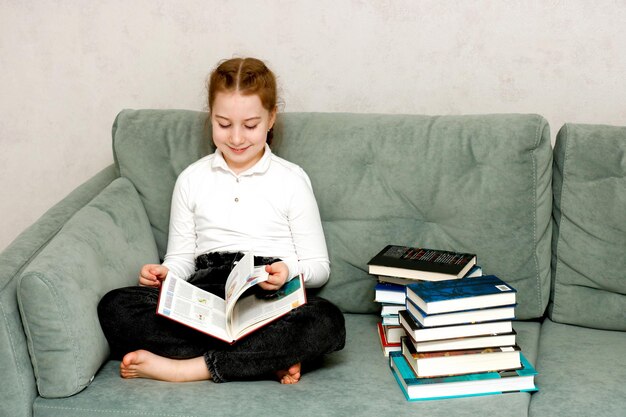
(152, 275)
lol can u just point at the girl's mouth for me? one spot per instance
(238, 151)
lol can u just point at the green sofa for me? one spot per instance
(552, 222)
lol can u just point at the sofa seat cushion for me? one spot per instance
(356, 381)
(581, 372)
(102, 247)
(589, 240)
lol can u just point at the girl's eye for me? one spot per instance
(251, 127)
(223, 126)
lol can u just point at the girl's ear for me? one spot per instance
(273, 117)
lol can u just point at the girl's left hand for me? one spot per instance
(278, 276)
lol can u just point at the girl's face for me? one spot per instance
(240, 124)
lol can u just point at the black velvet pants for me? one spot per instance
(129, 321)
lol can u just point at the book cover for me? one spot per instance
(457, 362)
(421, 263)
(460, 317)
(240, 313)
(420, 333)
(437, 388)
(463, 294)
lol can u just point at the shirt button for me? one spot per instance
(236, 199)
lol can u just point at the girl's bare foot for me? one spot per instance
(290, 375)
(144, 364)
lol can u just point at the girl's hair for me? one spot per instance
(247, 76)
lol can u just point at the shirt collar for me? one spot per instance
(260, 167)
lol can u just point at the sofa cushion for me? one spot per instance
(589, 241)
(101, 247)
(467, 183)
(581, 372)
(150, 148)
(356, 381)
(17, 396)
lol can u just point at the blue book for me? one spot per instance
(390, 293)
(462, 294)
(455, 386)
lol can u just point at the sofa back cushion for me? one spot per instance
(589, 241)
(150, 148)
(467, 183)
(102, 247)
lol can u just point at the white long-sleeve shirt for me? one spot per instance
(270, 209)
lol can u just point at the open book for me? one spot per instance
(234, 317)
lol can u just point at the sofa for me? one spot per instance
(551, 221)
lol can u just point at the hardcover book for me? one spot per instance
(420, 333)
(393, 333)
(241, 313)
(471, 342)
(475, 271)
(420, 263)
(457, 362)
(389, 309)
(463, 294)
(391, 320)
(486, 383)
(460, 317)
(385, 344)
(390, 293)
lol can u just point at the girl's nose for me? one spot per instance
(237, 137)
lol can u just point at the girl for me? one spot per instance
(240, 198)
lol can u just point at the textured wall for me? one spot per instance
(68, 66)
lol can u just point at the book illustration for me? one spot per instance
(240, 313)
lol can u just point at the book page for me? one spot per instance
(194, 307)
(251, 312)
(243, 276)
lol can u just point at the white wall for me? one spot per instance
(68, 66)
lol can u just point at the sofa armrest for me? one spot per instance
(100, 248)
(18, 390)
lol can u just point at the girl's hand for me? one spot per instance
(152, 275)
(278, 276)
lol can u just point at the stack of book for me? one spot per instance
(397, 266)
(460, 340)
(458, 336)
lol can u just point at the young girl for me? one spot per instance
(240, 198)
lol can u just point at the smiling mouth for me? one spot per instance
(238, 151)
